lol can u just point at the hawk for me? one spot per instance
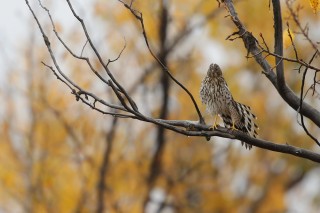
(215, 94)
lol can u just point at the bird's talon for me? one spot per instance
(216, 126)
(233, 128)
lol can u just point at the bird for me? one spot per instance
(215, 94)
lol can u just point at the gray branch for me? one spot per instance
(252, 46)
(128, 109)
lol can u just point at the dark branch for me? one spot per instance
(68, 48)
(188, 128)
(293, 45)
(139, 17)
(132, 103)
(278, 44)
(301, 99)
(124, 47)
(303, 30)
(286, 93)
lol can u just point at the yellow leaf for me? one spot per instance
(314, 5)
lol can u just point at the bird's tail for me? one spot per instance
(247, 120)
(246, 124)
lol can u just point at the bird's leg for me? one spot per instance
(233, 126)
(214, 126)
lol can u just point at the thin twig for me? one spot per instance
(254, 47)
(139, 17)
(68, 48)
(264, 41)
(48, 45)
(299, 61)
(304, 30)
(293, 45)
(119, 55)
(85, 44)
(81, 91)
(131, 102)
(188, 128)
(301, 100)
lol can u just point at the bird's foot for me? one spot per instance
(214, 126)
(233, 128)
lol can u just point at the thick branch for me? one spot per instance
(188, 128)
(278, 43)
(292, 150)
(227, 133)
(286, 93)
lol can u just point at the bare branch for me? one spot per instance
(278, 44)
(202, 130)
(188, 128)
(139, 17)
(291, 39)
(124, 47)
(253, 47)
(301, 99)
(304, 30)
(264, 42)
(85, 44)
(95, 98)
(298, 61)
(47, 43)
(69, 49)
(132, 103)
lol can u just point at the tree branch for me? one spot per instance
(301, 98)
(132, 103)
(251, 45)
(278, 43)
(304, 30)
(139, 17)
(184, 127)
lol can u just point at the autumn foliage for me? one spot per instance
(59, 155)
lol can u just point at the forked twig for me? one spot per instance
(138, 15)
(119, 86)
(301, 100)
(184, 127)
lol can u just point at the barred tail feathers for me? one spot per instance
(226, 120)
(245, 121)
(248, 120)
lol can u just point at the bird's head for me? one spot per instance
(214, 71)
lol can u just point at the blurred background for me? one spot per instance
(59, 155)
